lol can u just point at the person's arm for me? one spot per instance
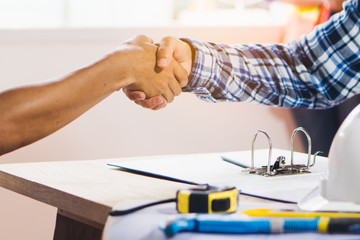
(319, 71)
(30, 113)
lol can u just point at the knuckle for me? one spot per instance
(143, 38)
(140, 37)
(169, 40)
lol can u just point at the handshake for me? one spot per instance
(151, 74)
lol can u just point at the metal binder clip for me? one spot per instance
(253, 169)
(279, 166)
(301, 167)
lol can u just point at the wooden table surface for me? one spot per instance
(84, 191)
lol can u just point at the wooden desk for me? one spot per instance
(83, 191)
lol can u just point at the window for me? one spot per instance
(130, 13)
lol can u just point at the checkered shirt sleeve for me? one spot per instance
(318, 71)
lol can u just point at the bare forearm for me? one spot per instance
(30, 113)
(33, 112)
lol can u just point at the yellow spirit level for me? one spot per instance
(207, 199)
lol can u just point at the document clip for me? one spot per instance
(279, 167)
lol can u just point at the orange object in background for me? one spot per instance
(324, 14)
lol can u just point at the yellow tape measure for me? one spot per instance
(207, 199)
(202, 199)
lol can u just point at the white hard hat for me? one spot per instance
(340, 189)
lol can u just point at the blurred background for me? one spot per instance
(41, 40)
(120, 13)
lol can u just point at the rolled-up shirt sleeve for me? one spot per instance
(318, 71)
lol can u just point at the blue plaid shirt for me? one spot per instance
(319, 71)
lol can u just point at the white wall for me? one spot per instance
(117, 127)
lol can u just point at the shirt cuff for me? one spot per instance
(203, 67)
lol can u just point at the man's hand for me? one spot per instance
(142, 74)
(169, 48)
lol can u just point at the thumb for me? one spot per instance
(165, 52)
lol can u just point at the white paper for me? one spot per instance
(211, 169)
